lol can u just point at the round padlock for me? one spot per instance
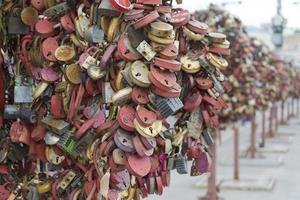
(126, 51)
(49, 45)
(190, 66)
(150, 131)
(38, 4)
(179, 17)
(52, 157)
(217, 61)
(123, 140)
(216, 37)
(197, 27)
(122, 96)
(192, 101)
(121, 5)
(139, 74)
(140, 95)
(161, 29)
(49, 75)
(172, 92)
(139, 166)
(72, 74)
(203, 83)
(145, 117)
(119, 157)
(67, 23)
(170, 52)
(162, 40)
(65, 54)
(144, 21)
(191, 35)
(171, 65)
(125, 117)
(163, 79)
(140, 148)
(29, 16)
(44, 27)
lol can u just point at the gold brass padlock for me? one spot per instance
(65, 53)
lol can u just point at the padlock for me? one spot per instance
(57, 126)
(22, 89)
(168, 106)
(65, 53)
(100, 71)
(15, 24)
(65, 182)
(146, 50)
(181, 164)
(68, 143)
(57, 11)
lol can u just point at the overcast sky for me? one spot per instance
(253, 12)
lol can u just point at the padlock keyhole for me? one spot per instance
(138, 74)
(151, 129)
(145, 118)
(167, 82)
(124, 140)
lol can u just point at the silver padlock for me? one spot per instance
(107, 92)
(57, 126)
(22, 91)
(168, 106)
(146, 50)
(181, 164)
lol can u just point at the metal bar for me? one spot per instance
(270, 132)
(263, 132)
(253, 137)
(298, 107)
(276, 119)
(293, 107)
(236, 172)
(282, 121)
(212, 193)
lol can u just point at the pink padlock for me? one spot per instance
(67, 23)
(49, 45)
(38, 4)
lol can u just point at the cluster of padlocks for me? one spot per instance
(102, 99)
(258, 77)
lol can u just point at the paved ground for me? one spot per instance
(287, 176)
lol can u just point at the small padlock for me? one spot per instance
(181, 164)
(194, 170)
(57, 126)
(168, 106)
(68, 143)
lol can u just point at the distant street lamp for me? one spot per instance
(230, 3)
(296, 2)
(278, 25)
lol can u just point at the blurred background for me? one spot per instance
(258, 17)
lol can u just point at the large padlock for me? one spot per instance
(22, 89)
